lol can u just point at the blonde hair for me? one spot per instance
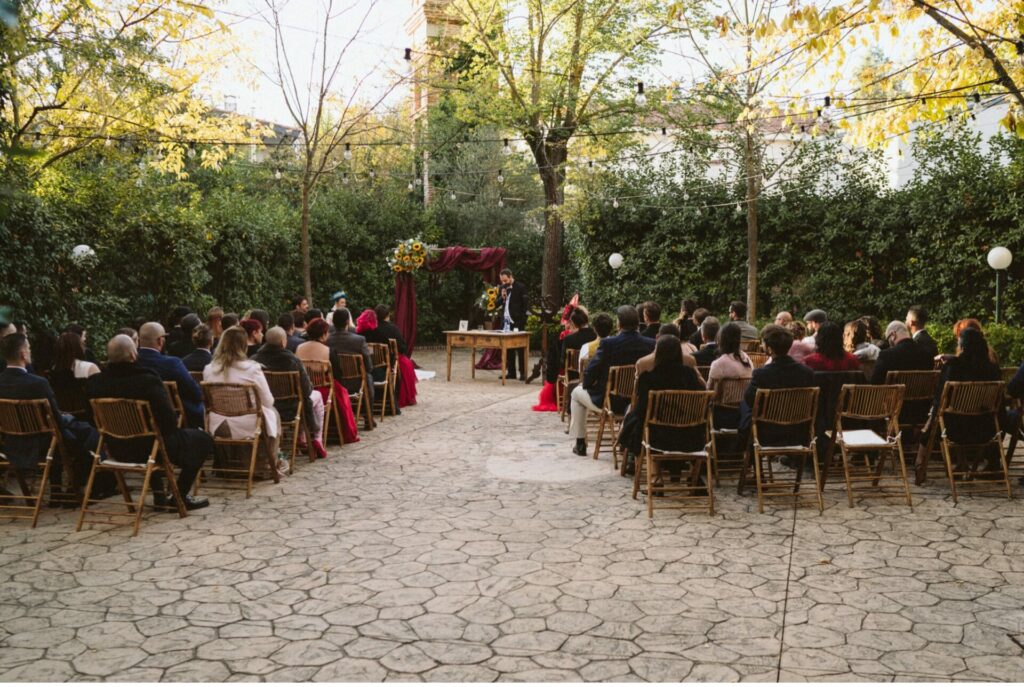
(233, 348)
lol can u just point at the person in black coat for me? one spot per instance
(651, 316)
(917, 318)
(579, 335)
(623, 349)
(971, 365)
(201, 355)
(386, 329)
(16, 383)
(781, 373)
(186, 448)
(902, 354)
(512, 301)
(708, 345)
(275, 357)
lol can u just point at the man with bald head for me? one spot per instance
(903, 353)
(125, 377)
(170, 369)
(784, 318)
(274, 356)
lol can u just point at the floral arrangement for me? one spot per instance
(488, 301)
(409, 256)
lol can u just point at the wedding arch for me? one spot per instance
(487, 261)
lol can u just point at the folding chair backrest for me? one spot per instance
(678, 409)
(393, 347)
(231, 400)
(319, 372)
(758, 359)
(381, 355)
(871, 403)
(172, 392)
(70, 394)
(750, 345)
(919, 385)
(622, 382)
(729, 391)
(27, 417)
(704, 370)
(972, 398)
(197, 375)
(572, 363)
(352, 366)
(786, 406)
(284, 386)
(124, 418)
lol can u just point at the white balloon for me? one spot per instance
(999, 258)
(82, 251)
(615, 260)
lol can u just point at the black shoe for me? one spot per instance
(580, 449)
(191, 502)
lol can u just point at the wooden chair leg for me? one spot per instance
(123, 488)
(88, 493)
(600, 434)
(947, 454)
(757, 479)
(142, 496)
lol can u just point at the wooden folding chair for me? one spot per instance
(197, 375)
(27, 419)
(971, 470)
(286, 387)
(621, 386)
(793, 410)
(353, 369)
(393, 347)
(322, 376)
(179, 407)
(383, 391)
(676, 410)
(122, 420)
(570, 375)
(916, 423)
(867, 367)
(235, 455)
(704, 371)
(728, 393)
(862, 410)
(758, 359)
(71, 398)
(750, 345)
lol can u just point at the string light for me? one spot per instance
(501, 177)
(277, 174)
(418, 182)
(828, 101)
(410, 187)
(664, 132)
(501, 203)
(191, 150)
(344, 178)
(640, 99)
(408, 54)
(506, 149)
(348, 151)
(615, 203)
(451, 196)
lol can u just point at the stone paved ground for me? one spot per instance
(465, 542)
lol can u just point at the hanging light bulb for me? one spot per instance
(828, 101)
(107, 143)
(501, 203)
(191, 150)
(348, 151)
(344, 178)
(640, 99)
(452, 196)
(410, 186)
(664, 132)
(506, 149)
(615, 203)
(501, 177)
(408, 54)
(277, 174)
(739, 209)
(418, 181)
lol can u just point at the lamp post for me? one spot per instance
(615, 262)
(999, 258)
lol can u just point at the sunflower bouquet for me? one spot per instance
(408, 256)
(488, 301)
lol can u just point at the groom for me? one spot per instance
(512, 298)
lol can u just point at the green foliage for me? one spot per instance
(1006, 340)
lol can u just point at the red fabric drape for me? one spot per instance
(488, 261)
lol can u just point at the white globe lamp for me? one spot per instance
(999, 258)
(82, 252)
(615, 260)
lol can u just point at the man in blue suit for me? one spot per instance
(781, 373)
(625, 348)
(170, 369)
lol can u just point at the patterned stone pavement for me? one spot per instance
(464, 542)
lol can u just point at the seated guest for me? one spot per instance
(971, 365)
(340, 300)
(230, 319)
(781, 373)
(903, 353)
(699, 315)
(829, 355)
(874, 331)
(287, 323)
(130, 333)
(687, 327)
(314, 314)
(386, 329)
(624, 349)
(299, 322)
(783, 318)
(174, 331)
(231, 365)
(16, 383)
(254, 335)
(708, 335)
(406, 381)
(215, 321)
(814, 319)
(646, 363)
(315, 348)
(738, 315)
(731, 360)
(857, 340)
(603, 326)
(668, 373)
(971, 323)
(343, 340)
(70, 358)
(182, 345)
(917, 318)
(652, 320)
(201, 355)
(275, 357)
(186, 448)
(76, 328)
(366, 326)
(578, 333)
(300, 303)
(800, 348)
(261, 316)
(170, 369)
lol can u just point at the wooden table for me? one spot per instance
(483, 338)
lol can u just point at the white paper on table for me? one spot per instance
(425, 374)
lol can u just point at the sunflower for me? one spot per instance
(417, 246)
(491, 305)
(418, 260)
(397, 268)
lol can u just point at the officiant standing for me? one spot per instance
(512, 297)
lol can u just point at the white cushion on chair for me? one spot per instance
(862, 437)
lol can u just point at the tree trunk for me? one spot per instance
(307, 267)
(750, 168)
(550, 165)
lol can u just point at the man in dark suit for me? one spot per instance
(344, 340)
(274, 356)
(287, 323)
(386, 329)
(201, 356)
(625, 348)
(183, 344)
(652, 319)
(709, 346)
(16, 383)
(781, 373)
(124, 377)
(917, 318)
(170, 369)
(512, 301)
(903, 353)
